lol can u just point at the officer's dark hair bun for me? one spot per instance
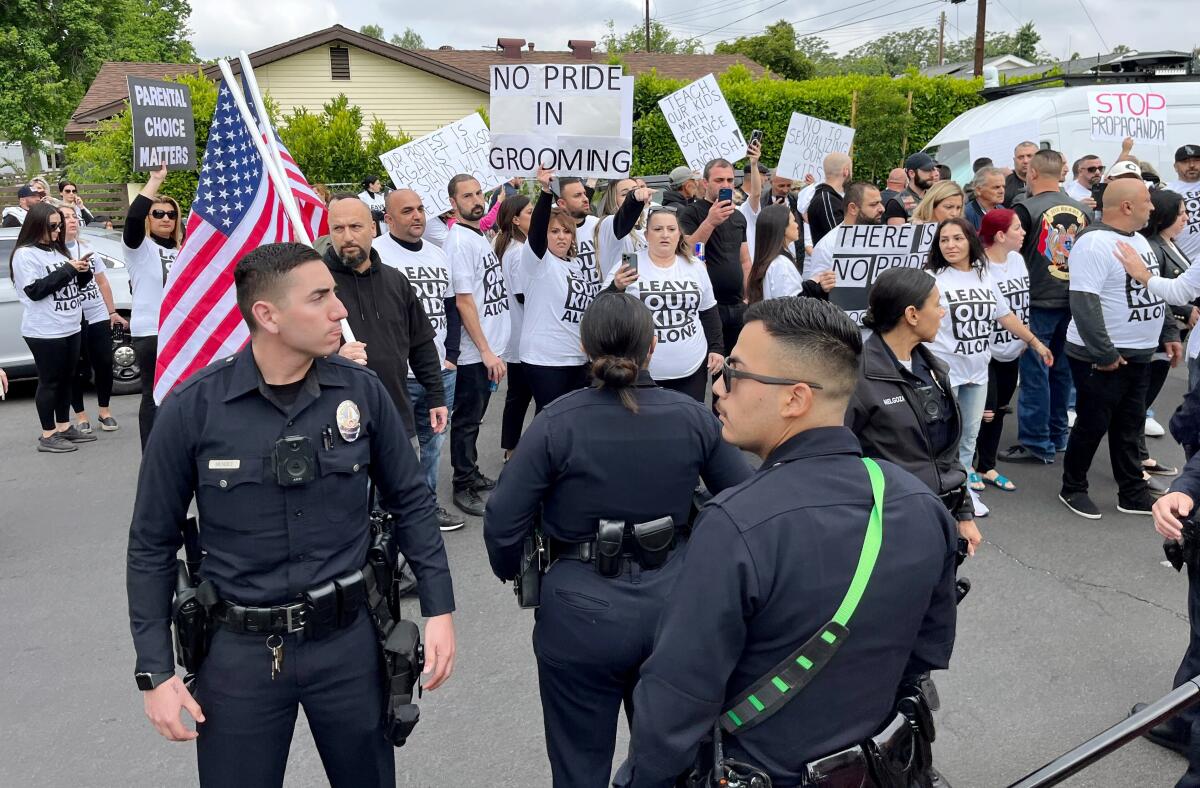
(616, 332)
(895, 291)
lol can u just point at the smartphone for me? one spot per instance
(1098, 192)
(657, 197)
(725, 194)
(629, 259)
(756, 136)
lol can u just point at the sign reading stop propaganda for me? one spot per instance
(163, 126)
(1138, 112)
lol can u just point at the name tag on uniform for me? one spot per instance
(224, 465)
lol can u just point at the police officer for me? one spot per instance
(769, 561)
(611, 471)
(278, 536)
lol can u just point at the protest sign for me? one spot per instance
(1000, 144)
(163, 126)
(427, 164)
(807, 142)
(1138, 112)
(864, 251)
(702, 124)
(576, 119)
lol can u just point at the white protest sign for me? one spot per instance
(1000, 144)
(807, 142)
(862, 252)
(576, 119)
(427, 164)
(702, 124)
(1127, 111)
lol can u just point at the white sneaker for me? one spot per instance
(1070, 419)
(1153, 429)
(981, 509)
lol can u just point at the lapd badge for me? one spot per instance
(349, 421)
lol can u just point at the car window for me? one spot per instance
(6, 247)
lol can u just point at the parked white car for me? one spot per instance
(15, 357)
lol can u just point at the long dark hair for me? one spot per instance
(35, 227)
(770, 241)
(616, 333)
(1167, 205)
(893, 293)
(937, 263)
(507, 231)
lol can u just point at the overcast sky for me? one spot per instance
(222, 27)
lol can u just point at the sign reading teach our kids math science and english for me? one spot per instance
(576, 119)
(807, 143)
(163, 126)
(1126, 111)
(702, 124)
(427, 164)
(864, 251)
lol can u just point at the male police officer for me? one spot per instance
(276, 444)
(769, 560)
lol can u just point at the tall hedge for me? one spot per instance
(881, 119)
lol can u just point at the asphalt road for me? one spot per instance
(1069, 623)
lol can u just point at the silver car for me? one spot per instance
(15, 357)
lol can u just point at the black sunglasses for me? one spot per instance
(164, 214)
(68, 191)
(663, 209)
(54, 226)
(1094, 169)
(729, 374)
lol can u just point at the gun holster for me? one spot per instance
(403, 661)
(527, 585)
(1186, 551)
(190, 609)
(610, 536)
(653, 541)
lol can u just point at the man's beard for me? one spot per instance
(475, 215)
(355, 257)
(864, 220)
(921, 183)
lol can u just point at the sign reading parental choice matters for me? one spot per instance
(703, 126)
(163, 126)
(864, 251)
(576, 119)
(427, 164)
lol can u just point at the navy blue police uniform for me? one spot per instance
(267, 545)
(585, 458)
(765, 570)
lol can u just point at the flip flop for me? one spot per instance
(1001, 481)
(975, 481)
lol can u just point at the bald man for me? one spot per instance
(826, 210)
(896, 181)
(1116, 326)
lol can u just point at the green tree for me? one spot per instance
(898, 51)
(410, 39)
(661, 40)
(775, 49)
(1122, 49)
(1026, 43)
(374, 31)
(329, 146)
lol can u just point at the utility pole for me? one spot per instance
(941, 38)
(980, 22)
(647, 25)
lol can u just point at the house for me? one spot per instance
(965, 69)
(1012, 67)
(416, 91)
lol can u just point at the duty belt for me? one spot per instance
(278, 620)
(327, 607)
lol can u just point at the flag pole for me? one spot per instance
(288, 195)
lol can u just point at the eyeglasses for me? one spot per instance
(55, 226)
(68, 191)
(729, 374)
(164, 214)
(1093, 169)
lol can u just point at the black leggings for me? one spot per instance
(694, 385)
(550, 383)
(146, 350)
(1002, 383)
(55, 360)
(95, 356)
(516, 404)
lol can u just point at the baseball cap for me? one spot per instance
(919, 161)
(26, 191)
(681, 175)
(1123, 168)
(1187, 152)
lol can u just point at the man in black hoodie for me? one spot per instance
(390, 326)
(826, 210)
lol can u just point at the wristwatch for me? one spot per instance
(148, 681)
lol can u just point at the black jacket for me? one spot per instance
(1170, 266)
(386, 314)
(825, 212)
(883, 414)
(676, 198)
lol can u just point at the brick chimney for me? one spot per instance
(511, 47)
(529, 46)
(581, 49)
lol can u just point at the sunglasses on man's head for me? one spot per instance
(159, 214)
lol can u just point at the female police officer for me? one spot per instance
(611, 470)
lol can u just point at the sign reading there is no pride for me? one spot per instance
(163, 126)
(864, 251)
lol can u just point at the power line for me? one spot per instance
(742, 19)
(810, 18)
(869, 19)
(1089, 18)
(703, 11)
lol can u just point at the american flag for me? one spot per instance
(236, 209)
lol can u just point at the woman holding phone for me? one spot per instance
(775, 272)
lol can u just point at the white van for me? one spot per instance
(1062, 115)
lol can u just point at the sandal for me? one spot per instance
(1001, 481)
(1158, 469)
(975, 482)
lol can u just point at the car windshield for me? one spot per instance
(957, 157)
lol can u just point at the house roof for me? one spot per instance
(967, 67)
(109, 91)
(690, 67)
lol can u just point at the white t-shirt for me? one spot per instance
(964, 340)
(751, 223)
(1076, 191)
(1012, 280)
(822, 254)
(1189, 240)
(428, 272)
(511, 263)
(611, 247)
(57, 315)
(782, 279)
(675, 296)
(94, 309)
(1133, 316)
(557, 292)
(475, 271)
(436, 231)
(376, 202)
(803, 200)
(148, 267)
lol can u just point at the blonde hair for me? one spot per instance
(937, 194)
(164, 199)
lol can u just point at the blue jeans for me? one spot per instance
(1045, 392)
(430, 442)
(972, 399)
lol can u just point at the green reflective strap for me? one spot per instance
(870, 549)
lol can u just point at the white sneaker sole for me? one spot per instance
(1076, 511)
(1144, 512)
